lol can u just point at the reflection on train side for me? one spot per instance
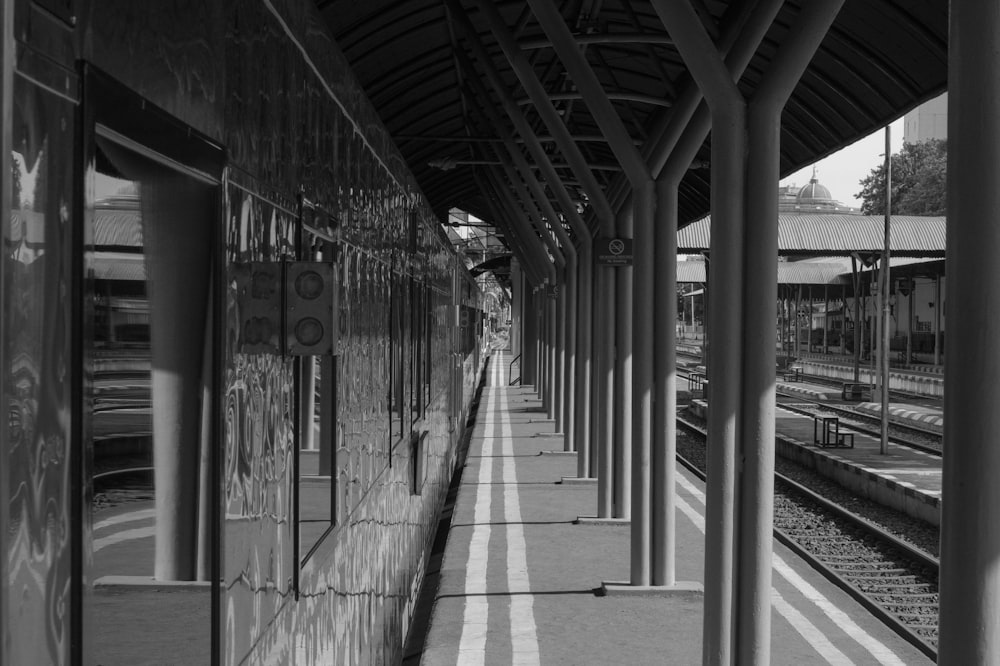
(150, 358)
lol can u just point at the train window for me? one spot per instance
(317, 436)
(396, 352)
(150, 354)
(416, 357)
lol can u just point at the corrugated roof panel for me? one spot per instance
(801, 272)
(119, 266)
(839, 235)
(690, 271)
(117, 227)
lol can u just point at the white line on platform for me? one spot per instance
(124, 535)
(524, 636)
(472, 644)
(131, 516)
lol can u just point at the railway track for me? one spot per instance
(896, 581)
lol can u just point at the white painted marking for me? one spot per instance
(882, 653)
(124, 535)
(131, 516)
(922, 471)
(524, 636)
(472, 644)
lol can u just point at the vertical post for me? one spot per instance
(911, 296)
(552, 356)
(810, 309)
(584, 360)
(516, 306)
(884, 294)
(665, 387)
(796, 326)
(604, 390)
(541, 312)
(558, 307)
(644, 198)
(937, 320)
(622, 403)
(826, 318)
(570, 326)
(856, 282)
(970, 535)
(525, 312)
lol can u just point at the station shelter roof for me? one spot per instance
(838, 235)
(418, 65)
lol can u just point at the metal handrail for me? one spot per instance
(510, 369)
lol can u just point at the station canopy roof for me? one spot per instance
(417, 64)
(838, 235)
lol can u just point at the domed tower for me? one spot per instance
(814, 196)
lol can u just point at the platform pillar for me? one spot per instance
(644, 256)
(663, 462)
(604, 389)
(622, 404)
(970, 529)
(584, 361)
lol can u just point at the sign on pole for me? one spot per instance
(613, 251)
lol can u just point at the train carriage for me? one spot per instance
(238, 350)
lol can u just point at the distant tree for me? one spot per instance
(919, 172)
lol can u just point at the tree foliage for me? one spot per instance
(919, 172)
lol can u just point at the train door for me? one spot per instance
(150, 427)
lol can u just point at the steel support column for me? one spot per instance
(756, 501)
(643, 259)
(543, 346)
(584, 362)
(622, 439)
(664, 441)
(604, 390)
(970, 532)
(725, 319)
(516, 308)
(663, 464)
(747, 362)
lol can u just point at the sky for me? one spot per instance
(842, 172)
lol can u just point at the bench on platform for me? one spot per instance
(697, 381)
(792, 375)
(855, 391)
(826, 429)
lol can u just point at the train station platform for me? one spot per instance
(519, 580)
